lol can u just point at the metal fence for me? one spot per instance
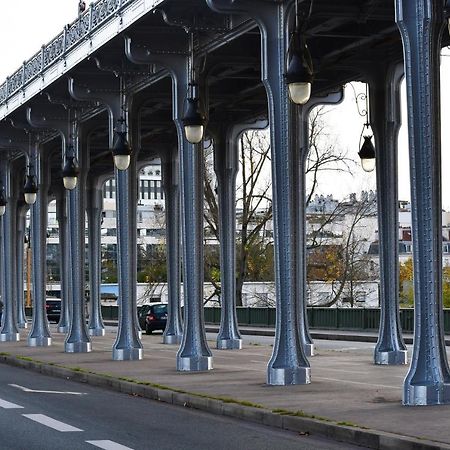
(323, 318)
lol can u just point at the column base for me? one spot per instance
(194, 363)
(9, 337)
(77, 347)
(41, 341)
(289, 375)
(172, 339)
(397, 357)
(63, 329)
(229, 344)
(127, 354)
(416, 395)
(23, 325)
(96, 331)
(309, 349)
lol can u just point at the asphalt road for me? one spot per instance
(69, 415)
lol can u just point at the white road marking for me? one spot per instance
(359, 382)
(108, 445)
(8, 405)
(51, 423)
(25, 389)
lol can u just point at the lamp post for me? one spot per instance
(121, 148)
(30, 189)
(367, 154)
(194, 118)
(70, 171)
(299, 75)
(367, 149)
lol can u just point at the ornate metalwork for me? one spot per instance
(15, 81)
(32, 67)
(95, 16)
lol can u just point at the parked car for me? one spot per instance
(53, 308)
(153, 317)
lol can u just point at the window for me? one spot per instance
(109, 189)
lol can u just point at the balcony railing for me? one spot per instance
(93, 18)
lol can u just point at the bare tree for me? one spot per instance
(254, 203)
(342, 260)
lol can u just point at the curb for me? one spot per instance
(227, 407)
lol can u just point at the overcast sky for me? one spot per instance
(27, 24)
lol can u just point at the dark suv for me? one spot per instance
(153, 317)
(53, 308)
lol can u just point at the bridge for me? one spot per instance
(131, 80)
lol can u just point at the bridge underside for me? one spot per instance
(125, 66)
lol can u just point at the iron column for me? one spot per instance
(64, 261)
(94, 214)
(170, 183)
(77, 340)
(288, 364)
(9, 331)
(21, 317)
(384, 91)
(421, 23)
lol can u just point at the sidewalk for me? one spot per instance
(349, 398)
(329, 335)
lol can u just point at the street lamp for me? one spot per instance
(121, 151)
(367, 154)
(194, 118)
(3, 201)
(299, 75)
(70, 171)
(367, 149)
(30, 189)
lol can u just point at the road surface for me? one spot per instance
(44, 413)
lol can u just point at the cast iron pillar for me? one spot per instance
(127, 345)
(21, 219)
(384, 91)
(94, 214)
(421, 23)
(303, 113)
(288, 364)
(194, 353)
(118, 102)
(39, 334)
(226, 166)
(170, 183)
(9, 331)
(64, 261)
(77, 340)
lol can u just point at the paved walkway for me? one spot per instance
(346, 389)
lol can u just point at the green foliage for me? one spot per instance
(407, 284)
(153, 264)
(109, 271)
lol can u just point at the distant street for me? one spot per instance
(44, 413)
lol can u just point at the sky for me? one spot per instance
(27, 24)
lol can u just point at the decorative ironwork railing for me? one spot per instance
(94, 17)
